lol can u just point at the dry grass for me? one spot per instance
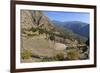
(26, 54)
(73, 54)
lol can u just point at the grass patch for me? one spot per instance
(73, 54)
(59, 57)
(26, 54)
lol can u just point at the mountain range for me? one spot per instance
(77, 27)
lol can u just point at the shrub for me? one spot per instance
(26, 54)
(31, 35)
(59, 57)
(73, 55)
(41, 31)
(33, 29)
(84, 48)
(87, 42)
(52, 37)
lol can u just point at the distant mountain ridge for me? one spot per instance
(77, 27)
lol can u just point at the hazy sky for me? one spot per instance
(68, 16)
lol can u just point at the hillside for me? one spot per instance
(35, 19)
(77, 27)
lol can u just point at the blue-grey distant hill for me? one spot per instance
(77, 27)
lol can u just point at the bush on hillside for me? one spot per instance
(59, 57)
(26, 54)
(73, 55)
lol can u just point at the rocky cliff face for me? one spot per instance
(35, 19)
(26, 19)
